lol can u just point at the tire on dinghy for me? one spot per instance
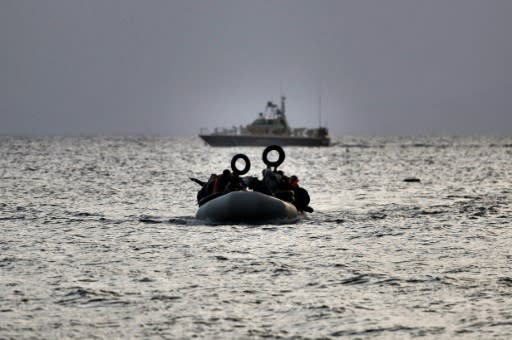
(269, 149)
(246, 168)
(249, 207)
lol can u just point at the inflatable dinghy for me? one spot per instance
(249, 207)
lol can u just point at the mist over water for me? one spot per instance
(99, 240)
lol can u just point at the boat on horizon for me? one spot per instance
(270, 128)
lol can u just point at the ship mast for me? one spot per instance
(320, 111)
(283, 115)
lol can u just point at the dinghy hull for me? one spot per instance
(247, 207)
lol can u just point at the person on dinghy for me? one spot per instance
(222, 182)
(226, 182)
(206, 187)
(270, 181)
(301, 196)
(217, 185)
(235, 183)
(277, 184)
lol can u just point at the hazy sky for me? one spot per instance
(171, 67)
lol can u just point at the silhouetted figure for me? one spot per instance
(207, 187)
(222, 182)
(302, 198)
(271, 181)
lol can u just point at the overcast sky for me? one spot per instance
(382, 67)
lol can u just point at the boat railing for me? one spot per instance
(242, 130)
(298, 132)
(305, 132)
(223, 131)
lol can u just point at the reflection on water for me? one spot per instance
(99, 240)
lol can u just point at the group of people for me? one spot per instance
(274, 183)
(277, 184)
(222, 183)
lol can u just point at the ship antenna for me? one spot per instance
(320, 111)
(320, 88)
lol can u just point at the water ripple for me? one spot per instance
(99, 241)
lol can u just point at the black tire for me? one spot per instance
(269, 149)
(247, 164)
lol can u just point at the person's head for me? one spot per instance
(294, 181)
(226, 173)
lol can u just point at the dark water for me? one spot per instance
(98, 240)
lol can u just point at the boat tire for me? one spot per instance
(279, 160)
(247, 164)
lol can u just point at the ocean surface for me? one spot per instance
(98, 240)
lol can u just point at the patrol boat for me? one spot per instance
(270, 128)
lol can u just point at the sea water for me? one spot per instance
(98, 240)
